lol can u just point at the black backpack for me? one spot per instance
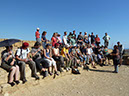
(75, 71)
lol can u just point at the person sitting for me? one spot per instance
(80, 55)
(90, 56)
(101, 59)
(9, 64)
(47, 55)
(22, 56)
(74, 61)
(57, 57)
(66, 56)
(37, 57)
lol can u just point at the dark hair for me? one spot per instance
(44, 32)
(48, 45)
(37, 44)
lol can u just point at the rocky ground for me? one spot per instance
(96, 82)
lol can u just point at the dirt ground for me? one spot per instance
(96, 82)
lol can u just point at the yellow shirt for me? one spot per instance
(64, 50)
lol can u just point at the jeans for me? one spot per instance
(44, 45)
(116, 68)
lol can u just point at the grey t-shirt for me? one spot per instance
(5, 54)
(38, 54)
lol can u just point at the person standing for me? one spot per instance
(116, 58)
(54, 39)
(23, 58)
(121, 51)
(74, 34)
(86, 38)
(97, 40)
(92, 38)
(106, 39)
(64, 39)
(44, 39)
(37, 34)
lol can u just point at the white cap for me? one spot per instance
(37, 28)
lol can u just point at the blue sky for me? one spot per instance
(20, 18)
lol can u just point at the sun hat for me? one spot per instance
(25, 44)
(37, 28)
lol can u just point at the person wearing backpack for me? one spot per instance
(22, 56)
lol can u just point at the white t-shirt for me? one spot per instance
(106, 38)
(89, 51)
(65, 40)
(22, 53)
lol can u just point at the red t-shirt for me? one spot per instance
(37, 34)
(54, 41)
(97, 39)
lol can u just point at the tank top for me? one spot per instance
(56, 51)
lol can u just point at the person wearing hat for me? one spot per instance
(37, 34)
(9, 64)
(66, 56)
(47, 55)
(57, 57)
(23, 58)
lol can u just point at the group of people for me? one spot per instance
(69, 53)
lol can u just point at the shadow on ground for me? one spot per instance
(96, 70)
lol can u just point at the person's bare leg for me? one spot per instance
(13, 70)
(17, 73)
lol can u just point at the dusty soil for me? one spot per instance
(96, 82)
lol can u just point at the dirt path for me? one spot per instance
(97, 82)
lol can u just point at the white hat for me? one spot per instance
(37, 28)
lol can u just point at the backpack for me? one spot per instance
(20, 51)
(75, 71)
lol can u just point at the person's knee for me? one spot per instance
(17, 67)
(13, 68)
